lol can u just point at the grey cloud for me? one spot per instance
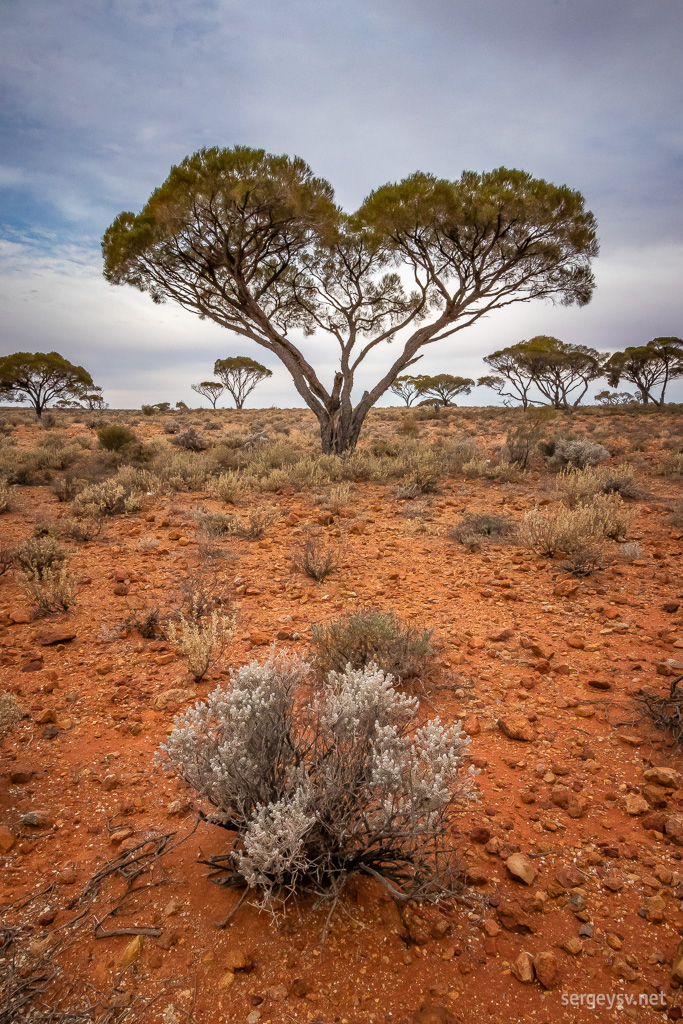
(102, 96)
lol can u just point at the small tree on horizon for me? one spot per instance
(240, 375)
(406, 388)
(648, 367)
(617, 398)
(443, 386)
(256, 243)
(211, 389)
(560, 372)
(41, 378)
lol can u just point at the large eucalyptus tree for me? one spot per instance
(256, 243)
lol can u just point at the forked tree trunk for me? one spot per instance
(339, 434)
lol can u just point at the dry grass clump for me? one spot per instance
(314, 791)
(11, 712)
(227, 487)
(110, 498)
(673, 465)
(81, 530)
(201, 641)
(5, 497)
(370, 635)
(256, 523)
(630, 552)
(476, 528)
(49, 590)
(35, 554)
(337, 500)
(35, 467)
(576, 532)
(190, 441)
(474, 468)
(577, 486)
(316, 557)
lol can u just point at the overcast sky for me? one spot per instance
(101, 97)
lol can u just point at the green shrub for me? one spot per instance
(116, 438)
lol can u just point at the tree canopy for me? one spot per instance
(406, 388)
(240, 375)
(560, 372)
(211, 389)
(256, 243)
(443, 387)
(648, 366)
(43, 377)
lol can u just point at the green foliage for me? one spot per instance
(444, 387)
(255, 243)
(648, 366)
(40, 378)
(240, 375)
(211, 389)
(560, 372)
(115, 437)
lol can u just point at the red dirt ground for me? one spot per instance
(513, 639)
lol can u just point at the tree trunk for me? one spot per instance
(339, 433)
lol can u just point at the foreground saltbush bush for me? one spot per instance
(370, 636)
(313, 791)
(37, 553)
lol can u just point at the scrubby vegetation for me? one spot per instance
(371, 636)
(316, 790)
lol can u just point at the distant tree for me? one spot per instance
(211, 389)
(513, 378)
(92, 399)
(648, 367)
(562, 372)
(443, 386)
(257, 244)
(406, 388)
(149, 410)
(41, 378)
(559, 371)
(181, 405)
(617, 398)
(240, 375)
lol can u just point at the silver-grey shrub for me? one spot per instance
(579, 453)
(317, 788)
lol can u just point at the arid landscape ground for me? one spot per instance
(573, 856)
